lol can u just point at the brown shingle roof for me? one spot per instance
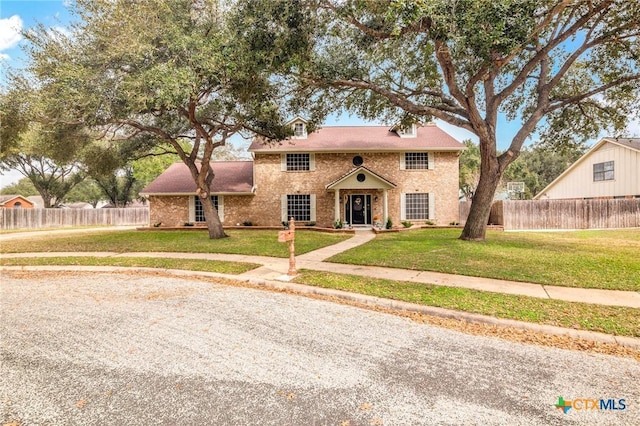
(231, 177)
(633, 143)
(364, 138)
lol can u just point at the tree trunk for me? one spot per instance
(211, 217)
(203, 177)
(476, 226)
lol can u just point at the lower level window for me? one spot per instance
(200, 211)
(417, 206)
(299, 207)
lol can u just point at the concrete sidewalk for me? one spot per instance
(276, 269)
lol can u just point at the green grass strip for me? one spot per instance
(585, 259)
(248, 242)
(201, 265)
(614, 320)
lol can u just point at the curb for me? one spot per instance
(630, 342)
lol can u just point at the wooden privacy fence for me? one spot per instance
(495, 217)
(52, 218)
(564, 214)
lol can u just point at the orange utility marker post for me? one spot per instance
(289, 236)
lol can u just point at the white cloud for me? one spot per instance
(10, 32)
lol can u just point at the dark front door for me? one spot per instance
(358, 211)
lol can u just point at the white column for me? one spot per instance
(385, 206)
(336, 207)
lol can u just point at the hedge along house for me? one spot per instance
(360, 176)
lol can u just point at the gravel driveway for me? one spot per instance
(130, 349)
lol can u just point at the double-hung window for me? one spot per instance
(299, 130)
(299, 207)
(603, 171)
(416, 161)
(302, 207)
(297, 162)
(417, 206)
(199, 211)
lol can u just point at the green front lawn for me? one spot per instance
(587, 259)
(219, 266)
(248, 242)
(606, 319)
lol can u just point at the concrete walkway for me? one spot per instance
(276, 269)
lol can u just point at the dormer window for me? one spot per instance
(408, 132)
(299, 127)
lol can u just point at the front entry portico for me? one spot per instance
(356, 191)
(357, 209)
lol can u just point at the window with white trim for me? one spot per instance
(199, 211)
(298, 162)
(603, 171)
(302, 207)
(416, 160)
(299, 207)
(408, 131)
(416, 206)
(299, 130)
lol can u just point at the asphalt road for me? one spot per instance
(118, 349)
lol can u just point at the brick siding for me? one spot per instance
(264, 208)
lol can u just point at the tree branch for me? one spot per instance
(456, 118)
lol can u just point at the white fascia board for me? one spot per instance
(187, 194)
(409, 148)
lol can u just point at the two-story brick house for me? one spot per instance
(355, 175)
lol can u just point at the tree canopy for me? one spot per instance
(566, 70)
(158, 72)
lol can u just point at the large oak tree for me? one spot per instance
(158, 72)
(564, 69)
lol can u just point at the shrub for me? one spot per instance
(407, 224)
(430, 222)
(389, 223)
(310, 224)
(337, 224)
(247, 223)
(188, 224)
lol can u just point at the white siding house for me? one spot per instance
(611, 169)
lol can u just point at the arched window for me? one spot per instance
(17, 205)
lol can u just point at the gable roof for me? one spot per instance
(632, 143)
(628, 143)
(378, 181)
(363, 138)
(4, 199)
(232, 177)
